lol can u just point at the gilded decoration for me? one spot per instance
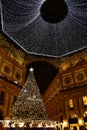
(6, 69)
(17, 76)
(12, 73)
(67, 80)
(80, 76)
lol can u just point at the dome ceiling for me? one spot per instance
(47, 28)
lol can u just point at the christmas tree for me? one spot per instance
(29, 104)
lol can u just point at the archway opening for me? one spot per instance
(44, 74)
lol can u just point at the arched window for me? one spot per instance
(85, 114)
(85, 100)
(71, 103)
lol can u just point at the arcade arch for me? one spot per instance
(44, 73)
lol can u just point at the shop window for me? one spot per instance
(2, 96)
(85, 100)
(73, 119)
(71, 104)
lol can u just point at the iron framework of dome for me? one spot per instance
(24, 23)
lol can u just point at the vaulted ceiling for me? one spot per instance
(40, 28)
(49, 28)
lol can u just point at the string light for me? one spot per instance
(22, 22)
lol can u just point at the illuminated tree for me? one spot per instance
(29, 104)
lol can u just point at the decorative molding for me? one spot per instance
(80, 76)
(17, 76)
(6, 69)
(67, 80)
